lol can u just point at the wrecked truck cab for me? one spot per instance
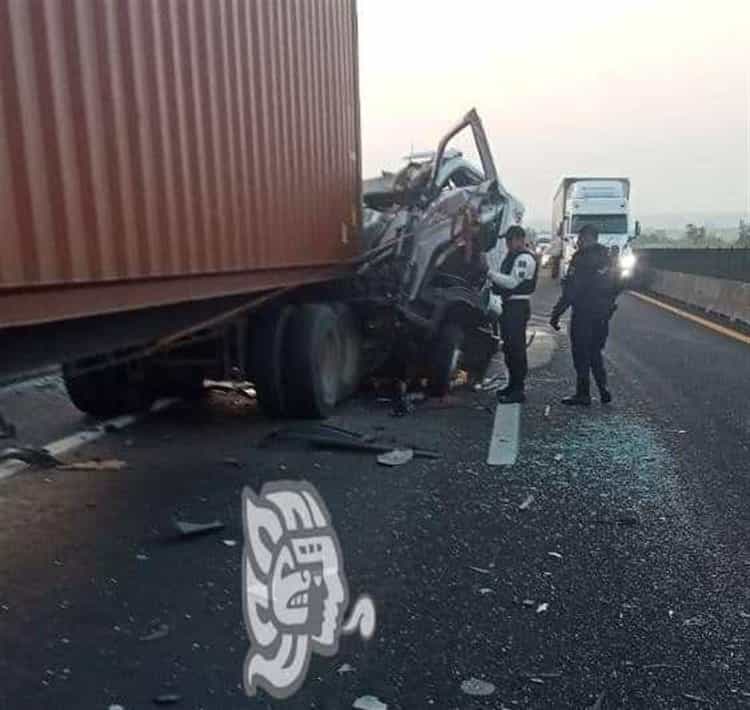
(429, 231)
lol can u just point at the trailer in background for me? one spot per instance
(602, 202)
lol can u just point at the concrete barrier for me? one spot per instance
(721, 297)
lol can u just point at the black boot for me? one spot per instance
(581, 398)
(601, 383)
(512, 396)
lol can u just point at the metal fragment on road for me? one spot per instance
(94, 465)
(556, 555)
(526, 503)
(369, 702)
(542, 608)
(30, 455)
(477, 687)
(229, 543)
(485, 590)
(189, 529)
(397, 457)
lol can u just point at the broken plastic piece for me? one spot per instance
(345, 668)
(542, 608)
(159, 632)
(369, 702)
(556, 555)
(397, 457)
(477, 687)
(481, 570)
(546, 410)
(188, 529)
(526, 503)
(230, 543)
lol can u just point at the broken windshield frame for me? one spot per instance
(483, 148)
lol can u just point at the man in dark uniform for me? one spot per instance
(515, 282)
(590, 288)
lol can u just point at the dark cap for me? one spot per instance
(515, 232)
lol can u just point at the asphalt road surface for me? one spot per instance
(608, 568)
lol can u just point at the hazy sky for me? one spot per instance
(657, 90)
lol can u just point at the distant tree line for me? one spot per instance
(697, 236)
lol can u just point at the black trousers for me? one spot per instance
(588, 336)
(513, 322)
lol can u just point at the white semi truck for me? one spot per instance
(603, 202)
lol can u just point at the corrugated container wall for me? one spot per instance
(157, 151)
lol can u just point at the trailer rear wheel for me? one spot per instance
(106, 391)
(314, 358)
(445, 355)
(351, 351)
(268, 360)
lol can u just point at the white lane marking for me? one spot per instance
(506, 433)
(75, 441)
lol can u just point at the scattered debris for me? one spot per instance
(744, 615)
(695, 621)
(328, 437)
(628, 517)
(397, 457)
(116, 707)
(547, 411)
(539, 676)
(346, 668)
(188, 529)
(229, 543)
(369, 702)
(485, 590)
(477, 687)
(659, 666)
(542, 608)
(94, 465)
(528, 602)
(682, 431)
(159, 632)
(526, 503)
(481, 570)
(558, 457)
(536, 680)
(167, 699)
(696, 698)
(30, 455)
(556, 555)
(141, 557)
(231, 462)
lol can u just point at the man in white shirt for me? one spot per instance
(515, 282)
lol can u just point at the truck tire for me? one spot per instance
(351, 351)
(267, 365)
(313, 362)
(444, 358)
(107, 391)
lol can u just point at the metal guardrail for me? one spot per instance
(731, 264)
